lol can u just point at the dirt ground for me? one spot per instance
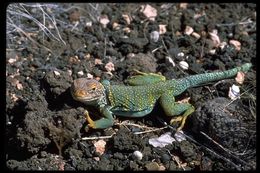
(50, 45)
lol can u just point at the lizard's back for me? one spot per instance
(134, 98)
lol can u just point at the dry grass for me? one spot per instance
(37, 22)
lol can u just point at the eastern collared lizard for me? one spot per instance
(139, 98)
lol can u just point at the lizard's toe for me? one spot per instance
(175, 120)
(91, 123)
(180, 119)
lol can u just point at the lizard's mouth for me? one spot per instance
(82, 96)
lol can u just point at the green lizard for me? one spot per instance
(138, 99)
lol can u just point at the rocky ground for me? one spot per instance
(49, 45)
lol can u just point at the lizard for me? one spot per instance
(138, 98)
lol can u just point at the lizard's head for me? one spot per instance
(88, 91)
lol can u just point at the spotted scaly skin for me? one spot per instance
(139, 98)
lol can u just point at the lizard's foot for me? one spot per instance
(181, 119)
(105, 122)
(91, 123)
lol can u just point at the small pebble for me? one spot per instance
(88, 24)
(179, 136)
(154, 36)
(184, 65)
(138, 155)
(81, 73)
(56, 73)
(234, 92)
(169, 59)
(181, 54)
(222, 45)
(152, 166)
(166, 157)
(212, 51)
(70, 72)
(130, 55)
(127, 30)
(89, 76)
(188, 30)
(12, 60)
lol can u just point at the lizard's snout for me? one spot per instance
(80, 93)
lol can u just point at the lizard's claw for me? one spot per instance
(91, 123)
(180, 119)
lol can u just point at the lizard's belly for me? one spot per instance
(132, 113)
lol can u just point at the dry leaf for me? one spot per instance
(19, 86)
(127, 29)
(149, 12)
(196, 35)
(162, 29)
(110, 67)
(214, 37)
(162, 141)
(115, 26)
(235, 43)
(183, 5)
(98, 61)
(240, 77)
(161, 168)
(100, 146)
(103, 20)
(188, 30)
(127, 18)
(14, 98)
(223, 45)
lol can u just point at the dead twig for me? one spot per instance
(149, 131)
(238, 167)
(20, 31)
(97, 137)
(225, 149)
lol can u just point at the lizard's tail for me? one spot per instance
(194, 80)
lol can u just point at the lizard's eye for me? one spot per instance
(93, 88)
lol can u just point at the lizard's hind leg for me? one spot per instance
(143, 78)
(171, 108)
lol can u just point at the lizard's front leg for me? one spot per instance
(171, 108)
(106, 121)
